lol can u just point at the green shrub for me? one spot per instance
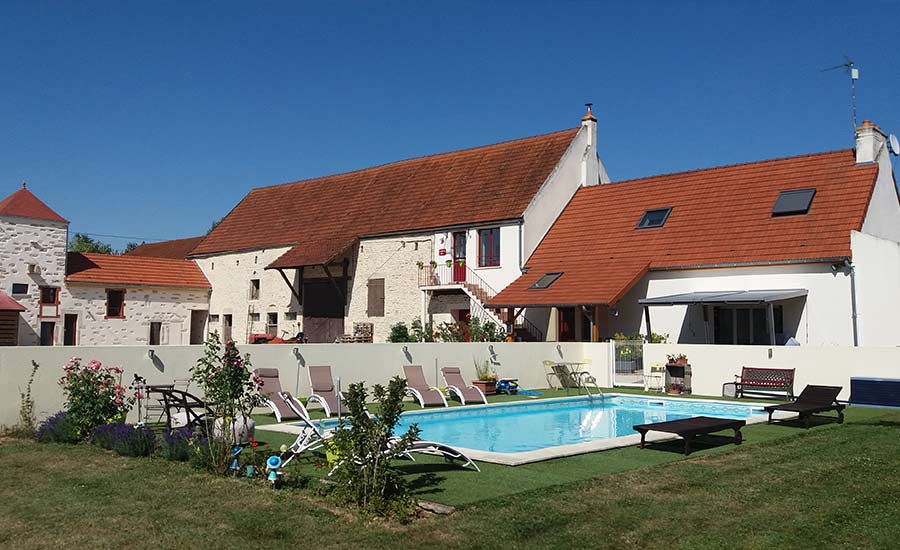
(94, 395)
(59, 428)
(400, 333)
(365, 448)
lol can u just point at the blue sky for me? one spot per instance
(152, 119)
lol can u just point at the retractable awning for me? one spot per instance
(767, 297)
(725, 297)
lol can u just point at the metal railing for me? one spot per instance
(452, 275)
(522, 324)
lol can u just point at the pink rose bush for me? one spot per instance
(94, 394)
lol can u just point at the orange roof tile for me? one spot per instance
(8, 304)
(133, 271)
(322, 217)
(24, 204)
(720, 216)
(176, 248)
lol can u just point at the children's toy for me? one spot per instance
(509, 386)
(273, 467)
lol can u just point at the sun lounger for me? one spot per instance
(270, 389)
(812, 400)
(689, 427)
(323, 391)
(312, 438)
(420, 390)
(458, 387)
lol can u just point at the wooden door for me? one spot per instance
(323, 312)
(226, 327)
(459, 257)
(70, 330)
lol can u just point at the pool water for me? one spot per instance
(513, 428)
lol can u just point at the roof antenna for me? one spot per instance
(850, 68)
(24, 184)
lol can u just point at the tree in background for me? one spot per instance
(81, 242)
(130, 246)
(214, 224)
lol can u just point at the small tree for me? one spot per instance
(422, 334)
(81, 242)
(230, 388)
(399, 333)
(364, 476)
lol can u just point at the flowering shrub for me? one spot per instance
(94, 395)
(124, 439)
(230, 389)
(177, 444)
(486, 372)
(57, 429)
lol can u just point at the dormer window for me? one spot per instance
(546, 280)
(794, 202)
(654, 218)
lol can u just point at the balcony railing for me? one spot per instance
(456, 276)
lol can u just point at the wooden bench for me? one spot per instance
(689, 427)
(763, 380)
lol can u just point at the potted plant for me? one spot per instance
(421, 265)
(679, 359)
(433, 264)
(487, 378)
(449, 263)
(675, 388)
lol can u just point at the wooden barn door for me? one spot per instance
(323, 312)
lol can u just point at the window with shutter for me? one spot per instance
(376, 298)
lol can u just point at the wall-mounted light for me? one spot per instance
(151, 353)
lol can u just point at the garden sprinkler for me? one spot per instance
(272, 466)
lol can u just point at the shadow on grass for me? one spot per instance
(814, 421)
(699, 443)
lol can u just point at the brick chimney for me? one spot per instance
(590, 162)
(870, 140)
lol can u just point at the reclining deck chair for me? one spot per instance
(420, 390)
(458, 387)
(270, 389)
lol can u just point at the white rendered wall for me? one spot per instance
(877, 266)
(371, 363)
(169, 306)
(498, 277)
(823, 319)
(883, 216)
(26, 241)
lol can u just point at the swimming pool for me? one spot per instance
(529, 431)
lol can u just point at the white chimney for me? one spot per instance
(590, 162)
(870, 140)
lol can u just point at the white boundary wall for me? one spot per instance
(712, 366)
(373, 363)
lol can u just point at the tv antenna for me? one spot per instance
(849, 68)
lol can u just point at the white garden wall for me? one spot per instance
(373, 363)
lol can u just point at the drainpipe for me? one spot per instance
(853, 312)
(521, 245)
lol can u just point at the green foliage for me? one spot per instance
(94, 395)
(214, 224)
(364, 476)
(230, 390)
(471, 330)
(400, 333)
(485, 371)
(58, 428)
(129, 247)
(81, 242)
(658, 338)
(124, 439)
(27, 423)
(422, 334)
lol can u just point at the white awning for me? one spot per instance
(725, 297)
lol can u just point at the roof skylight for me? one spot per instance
(796, 201)
(654, 218)
(546, 280)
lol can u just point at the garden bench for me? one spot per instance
(687, 428)
(764, 380)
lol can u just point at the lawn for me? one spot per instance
(831, 486)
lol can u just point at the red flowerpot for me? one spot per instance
(487, 387)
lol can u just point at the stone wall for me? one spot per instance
(41, 243)
(169, 306)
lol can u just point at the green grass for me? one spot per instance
(831, 486)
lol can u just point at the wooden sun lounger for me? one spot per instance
(690, 427)
(812, 400)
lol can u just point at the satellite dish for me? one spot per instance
(895, 145)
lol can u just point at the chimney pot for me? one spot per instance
(870, 140)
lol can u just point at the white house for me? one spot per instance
(49, 297)
(430, 237)
(803, 248)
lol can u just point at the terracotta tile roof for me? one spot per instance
(325, 216)
(8, 304)
(133, 271)
(24, 204)
(720, 216)
(176, 249)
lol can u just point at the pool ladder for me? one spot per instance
(586, 381)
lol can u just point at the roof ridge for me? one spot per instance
(421, 157)
(733, 165)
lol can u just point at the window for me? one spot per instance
(155, 332)
(546, 280)
(290, 316)
(254, 289)
(793, 202)
(19, 288)
(489, 247)
(115, 303)
(746, 325)
(49, 302)
(376, 298)
(272, 324)
(214, 318)
(254, 317)
(654, 218)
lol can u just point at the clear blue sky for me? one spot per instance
(152, 119)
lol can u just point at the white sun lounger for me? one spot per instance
(270, 389)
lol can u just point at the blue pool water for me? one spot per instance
(515, 428)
